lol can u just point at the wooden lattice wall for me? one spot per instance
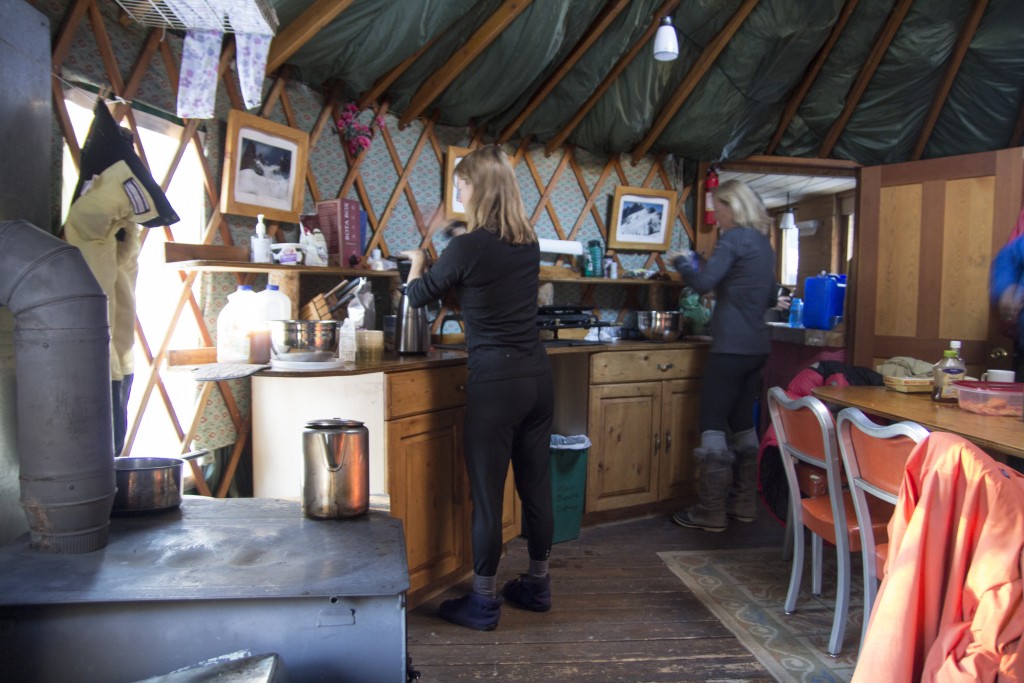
(567, 192)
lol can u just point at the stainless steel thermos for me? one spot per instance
(335, 469)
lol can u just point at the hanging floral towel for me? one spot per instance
(197, 85)
(251, 58)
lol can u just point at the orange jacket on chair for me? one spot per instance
(950, 607)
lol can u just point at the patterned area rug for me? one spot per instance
(746, 589)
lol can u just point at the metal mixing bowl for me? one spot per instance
(304, 340)
(659, 325)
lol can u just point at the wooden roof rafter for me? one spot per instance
(611, 10)
(956, 59)
(488, 32)
(811, 75)
(292, 37)
(867, 72)
(559, 138)
(697, 72)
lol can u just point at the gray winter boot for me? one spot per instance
(715, 478)
(741, 503)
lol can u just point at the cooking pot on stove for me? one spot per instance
(149, 484)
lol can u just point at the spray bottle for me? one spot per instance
(260, 243)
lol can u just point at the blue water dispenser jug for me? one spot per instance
(820, 301)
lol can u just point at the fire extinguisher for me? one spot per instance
(710, 183)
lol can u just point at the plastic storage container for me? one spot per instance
(235, 324)
(568, 485)
(820, 302)
(991, 398)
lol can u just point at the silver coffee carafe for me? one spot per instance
(412, 329)
(335, 469)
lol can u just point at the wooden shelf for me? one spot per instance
(207, 266)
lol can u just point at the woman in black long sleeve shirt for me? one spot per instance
(494, 271)
(741, 270)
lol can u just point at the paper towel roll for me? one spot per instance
(560, 246)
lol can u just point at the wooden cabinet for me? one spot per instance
(427, 483)
(642, 417)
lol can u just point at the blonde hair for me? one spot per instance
(747, 207)
(495, 203)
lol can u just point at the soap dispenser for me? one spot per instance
(260, 243)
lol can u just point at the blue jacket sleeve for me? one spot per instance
(1007, 268)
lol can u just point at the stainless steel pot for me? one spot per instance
(336, 469)
(148, 484)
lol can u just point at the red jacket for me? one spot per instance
(950, 607)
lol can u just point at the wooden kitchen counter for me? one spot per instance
(392, 362)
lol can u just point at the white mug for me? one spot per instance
(997, 376)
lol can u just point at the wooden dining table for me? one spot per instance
(994, 434)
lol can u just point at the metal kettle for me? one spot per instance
(412, 329)
(335, 469)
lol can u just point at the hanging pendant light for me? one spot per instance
(788, 221)
(666, 45)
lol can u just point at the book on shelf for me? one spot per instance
(340, 223)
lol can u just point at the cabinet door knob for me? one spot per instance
(665, 366)
(657, 443)
(668, 441)
(461, 387)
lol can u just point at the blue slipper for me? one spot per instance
(531, 594)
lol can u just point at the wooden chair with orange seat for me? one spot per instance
(875, 458)
(806, 433)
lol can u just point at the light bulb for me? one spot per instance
(666, 45)
(788, 221)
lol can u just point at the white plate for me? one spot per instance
(310, 366)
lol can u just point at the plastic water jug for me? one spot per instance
(235, 324)
(335, 469)
(819, 302)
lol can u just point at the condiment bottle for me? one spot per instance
(948, 370)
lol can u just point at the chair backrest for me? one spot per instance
(875, 455)
(804, 428)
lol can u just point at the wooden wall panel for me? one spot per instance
(898, 247)
(967, 251)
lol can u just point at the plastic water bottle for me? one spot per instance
(235, 325)
(796, 312)
(948, 370)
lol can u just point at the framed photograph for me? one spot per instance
(264, 168)
(453, 207)
(642, 219)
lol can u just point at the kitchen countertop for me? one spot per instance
(782, 332)
(393, 362)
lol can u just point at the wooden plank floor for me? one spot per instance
(619, 614)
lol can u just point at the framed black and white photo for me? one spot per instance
(264, 168)
(642, 219)
(453, 206)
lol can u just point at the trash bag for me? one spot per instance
(569, 443)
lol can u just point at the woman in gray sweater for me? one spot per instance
(741, 270)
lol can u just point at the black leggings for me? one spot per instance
(507, 420)
(728, 391)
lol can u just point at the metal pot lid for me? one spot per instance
(333, 423)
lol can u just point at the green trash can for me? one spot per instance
(568, 484)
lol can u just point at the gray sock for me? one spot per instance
(745, 440)
(538, 569)
(713, 440)
(485, 585)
